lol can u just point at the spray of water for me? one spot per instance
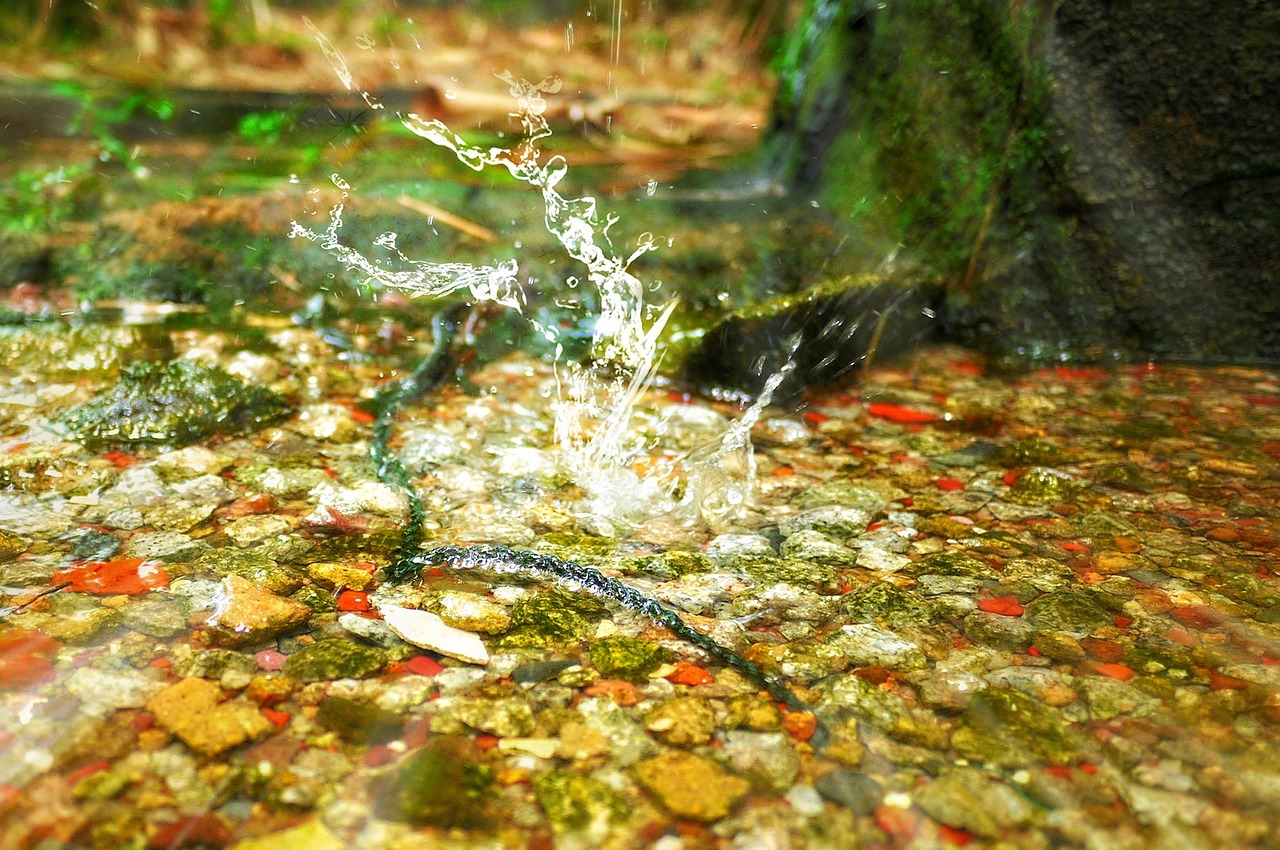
(596, 401)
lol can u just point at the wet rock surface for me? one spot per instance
(992, 664)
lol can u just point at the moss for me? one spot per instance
(627, 658)
(172, 404)
(951, 564)
(250, 565)
(1072, 611)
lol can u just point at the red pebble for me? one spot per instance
(486, 741)
(376, 755)
(270, 660)
(949, 484)
(1196, 616)
(423, 665)
(87, 770)
(276, 716)
(1223, 682)
(129, 576)
(1005, 606)
(800, 725)
(120, 460)
(901, 415)
(1124, 622)
(353, 600)
(900, 823)
(1102, 649)
(954, 837)
(690, 674)
(622, 693)
(24, 658)
(1115, 671)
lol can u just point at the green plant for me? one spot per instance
(99, 117)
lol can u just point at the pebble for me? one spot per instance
(865, 643)
(852, 789)
(949, 690)
(691, 787)
(1069, 611)
(249, 530)
(192, 709)
(766, 758)
(330, 423)
(339, 576)
(376, 632)
(881, 560)
(471, 612)
(830, 521)
(312, 835)
(246, 614)
(424, 629)
(814, 546)
(191, 462)
(682, 722)
(725, 549)
(167, 546)
(975, 801)
(334, 658)
(102, 691)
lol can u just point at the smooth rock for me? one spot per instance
(192, 709)
(424, 629)
(246, 614)
(691, 787)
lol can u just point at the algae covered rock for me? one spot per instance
(172, 404)
(575, 803)
(691, 787)
(1007, 728)
(334, 658)
(621, 657)
(444, 785)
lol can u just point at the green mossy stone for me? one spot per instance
(1042, 486)
(551, 618)
(887, 602)
(12, 545)
(320, 601)
(57, 351)
(1006, 728)
(442, 785)
(250, 565)
(575, 803)
(951, 564)
(1033, 451)
(621, 657)
(793, 571)
(1069, 610)
(334, 658)
(172, 404)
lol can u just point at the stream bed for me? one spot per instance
(1027, 609)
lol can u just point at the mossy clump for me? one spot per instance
(1072, 611)
(627, 658)
(444, 785)
(172, 404)
(951, 564)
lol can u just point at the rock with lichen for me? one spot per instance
(193, 709)
(691, 787)
(621, 657)
(334, 658)
(1006, 728)
(246, 614)
(578, 804)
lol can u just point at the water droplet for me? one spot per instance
(365, 41)
(651, 187)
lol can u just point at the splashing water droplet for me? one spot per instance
(596, 401)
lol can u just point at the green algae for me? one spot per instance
(319, 601)
(100, 351)
(1043, 486)
(951, 564)
(793, 571)
(621, 657)
(172, 404)
(334, 658)
(1006, 728)
(1072, 611)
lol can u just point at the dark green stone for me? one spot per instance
(442, 785)
(357, 721)
(573, 802)
(172, 404)
(887, 602)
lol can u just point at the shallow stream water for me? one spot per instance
(1027, 608)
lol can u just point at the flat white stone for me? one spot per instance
(424, 629)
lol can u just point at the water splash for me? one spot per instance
(596, 401)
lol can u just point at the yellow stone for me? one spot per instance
(339, 576)
(192, 710)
